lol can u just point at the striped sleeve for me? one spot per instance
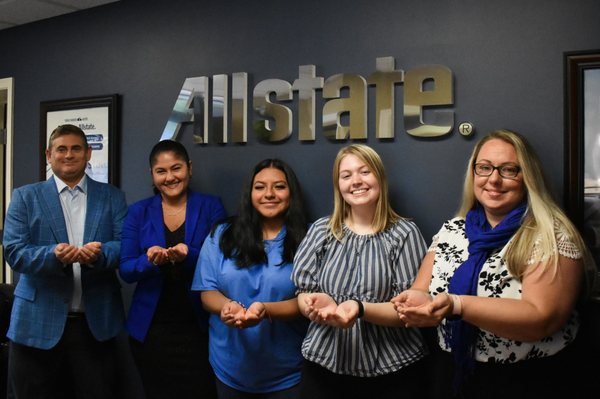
(309, 256)
(411, 250)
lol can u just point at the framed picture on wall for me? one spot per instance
(97, 117)
(582, 144)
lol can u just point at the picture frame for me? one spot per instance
(98, 117)
(582, 144)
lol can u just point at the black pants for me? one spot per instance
(319, 383)
(77, 367)
(226, 392)
(557, 376)
(173, 362)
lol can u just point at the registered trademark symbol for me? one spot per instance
(466, 129)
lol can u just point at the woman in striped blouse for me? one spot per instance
(347, 269)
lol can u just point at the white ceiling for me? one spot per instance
(19, 12)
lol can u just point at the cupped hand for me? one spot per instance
(254, 315)
(411, 298)
(428, 314)
(177, 253)
(345, 315)
(319, 307)
(66, 253)
(157, 255)
(90, 252)
(232, 314)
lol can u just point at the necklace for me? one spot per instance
(173, 213)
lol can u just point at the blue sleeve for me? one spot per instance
(134, 264)
(215, 212)
(206, 276)
(22, 255)
(111, 250)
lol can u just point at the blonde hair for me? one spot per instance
(542, 212)
(384, 214)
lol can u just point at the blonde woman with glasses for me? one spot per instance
(501, 281)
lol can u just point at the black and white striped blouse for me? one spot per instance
(371, 268)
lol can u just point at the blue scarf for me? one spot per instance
(482, 241)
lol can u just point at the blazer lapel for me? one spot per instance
(192, 213)
(50, 206)
(96, 197)
(156, 217)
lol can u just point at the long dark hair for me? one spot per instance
(242, 239)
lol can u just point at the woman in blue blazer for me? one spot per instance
(161, 240)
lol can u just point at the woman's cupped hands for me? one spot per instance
(234, 314)
(417, 308)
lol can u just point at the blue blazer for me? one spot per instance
(34, 226)
(144, 228)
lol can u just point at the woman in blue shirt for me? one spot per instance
(243, 271)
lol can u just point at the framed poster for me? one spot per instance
(582, 144)
(97, 117)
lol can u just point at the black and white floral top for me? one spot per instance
(450, 245)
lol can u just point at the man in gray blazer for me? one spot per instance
(63, 238)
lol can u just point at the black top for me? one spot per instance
(174, 305)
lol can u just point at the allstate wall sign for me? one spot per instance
(217, 107)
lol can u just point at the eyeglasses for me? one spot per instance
(506, 171)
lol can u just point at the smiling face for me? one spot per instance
(171, 175)
(68, 157)
(357, 183)
(496, 194)
(270, 193)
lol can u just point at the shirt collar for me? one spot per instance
(61, 185)
(280, 236)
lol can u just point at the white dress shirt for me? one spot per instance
(74, 205)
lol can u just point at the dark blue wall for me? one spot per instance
(506, 57)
